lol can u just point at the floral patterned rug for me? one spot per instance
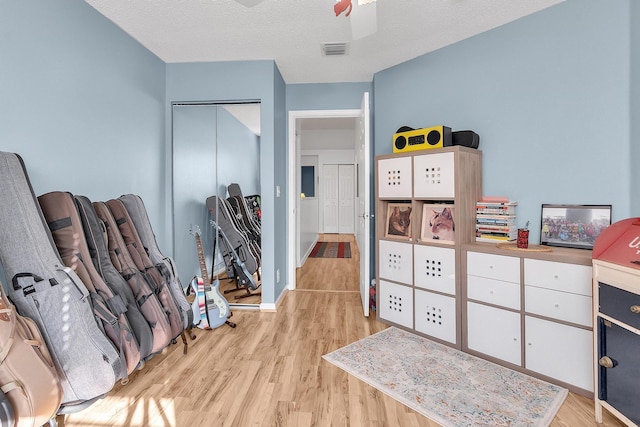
(446, 385)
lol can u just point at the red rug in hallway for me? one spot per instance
(331, 250)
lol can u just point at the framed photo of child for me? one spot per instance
(399, 221)
(438, 223)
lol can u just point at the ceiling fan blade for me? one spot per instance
(364, 20)
(249, 3)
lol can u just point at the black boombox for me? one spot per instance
(408, 139)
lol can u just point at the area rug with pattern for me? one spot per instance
(331, 250)
(448, 386)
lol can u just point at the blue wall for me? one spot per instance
(634, 158)
(279, 159)
(549, 96)
(326, 96)
(255, 81)
(83, 104)
(89, 109)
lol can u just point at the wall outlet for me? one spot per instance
(278, 275)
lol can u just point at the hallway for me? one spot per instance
(331, 274)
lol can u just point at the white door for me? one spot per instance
(363, 197)
(330, 196)
(346, 203)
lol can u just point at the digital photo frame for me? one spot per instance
(573, 226)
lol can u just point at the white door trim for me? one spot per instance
(293, 204)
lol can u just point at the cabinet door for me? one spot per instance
(435, 268)
(435, 315)
(559, 351)
(394, 178)
(396, 261)
(330, 199)
(395, 303)
(494, 332)
(434, 175)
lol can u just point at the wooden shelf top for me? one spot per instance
(569, 255)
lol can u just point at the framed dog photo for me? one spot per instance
(438, 224)
(399, 221)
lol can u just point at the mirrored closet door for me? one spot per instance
(216, 196)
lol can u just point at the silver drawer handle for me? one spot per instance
(635, 309)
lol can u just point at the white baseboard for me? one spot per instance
(304, 258)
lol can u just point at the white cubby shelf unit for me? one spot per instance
(418, 268)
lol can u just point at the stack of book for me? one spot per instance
(496, 221)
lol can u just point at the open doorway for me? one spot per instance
(358, 120)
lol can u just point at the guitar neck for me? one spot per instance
(203, 263)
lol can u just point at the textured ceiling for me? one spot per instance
(291, 31)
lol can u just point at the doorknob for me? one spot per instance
(607, 362)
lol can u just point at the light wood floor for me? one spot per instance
(268, 371)
(233, 295)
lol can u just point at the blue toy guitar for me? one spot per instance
(210, 308)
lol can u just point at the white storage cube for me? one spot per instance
(395, 303)
(434, 175)
(435, 315)
(395, 261)
(394, 178)
(435, 268)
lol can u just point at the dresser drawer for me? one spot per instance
(505, 294)
(498, 267)
(559, 276)
(558, 305)
(620, 304)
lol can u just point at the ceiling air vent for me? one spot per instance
(334, 49)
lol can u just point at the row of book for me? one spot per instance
(496, 221)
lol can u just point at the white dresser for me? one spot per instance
(531, 311)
